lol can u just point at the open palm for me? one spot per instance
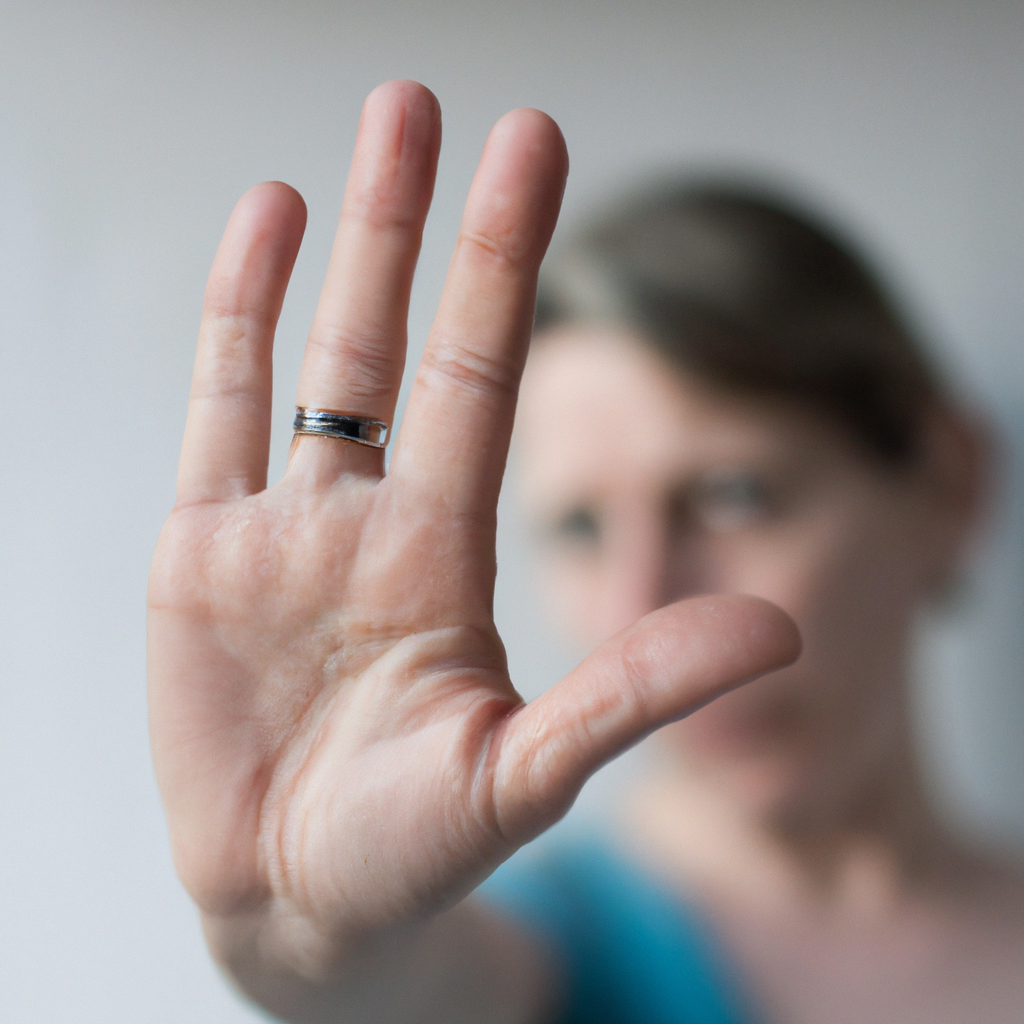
(336, 737)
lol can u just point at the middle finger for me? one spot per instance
(355, 354)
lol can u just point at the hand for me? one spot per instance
(335, 734)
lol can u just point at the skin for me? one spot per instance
(646, 487)
(340, 750)
(790, 810)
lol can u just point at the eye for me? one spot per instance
(577, 527)
(730, 500)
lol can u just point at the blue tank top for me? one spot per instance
(632, 952)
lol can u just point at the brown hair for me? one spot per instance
(743, 290)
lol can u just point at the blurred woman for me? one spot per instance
(722, 399)
(719, 400)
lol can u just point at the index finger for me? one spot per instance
(455, 433)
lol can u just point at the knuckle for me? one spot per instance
(523, 784)
(505, 249)
(381, 207)
(226, 305)
(366, 362)
(230, 364)
(636, 671)
(473, 371)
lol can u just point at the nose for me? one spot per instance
(646, 569)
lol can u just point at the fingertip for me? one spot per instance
(744, 635)
(273, 208)
(274, 193)
(530, 119)
(403, 90)
(412, 99)
(765, 636)
(776, 631)
(396, 153)
(517, 191)
(258, 248)
(532, 128)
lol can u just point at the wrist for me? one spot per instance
(278, 942)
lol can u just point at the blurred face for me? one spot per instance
(646, 486)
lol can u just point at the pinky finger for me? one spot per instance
(227, 434)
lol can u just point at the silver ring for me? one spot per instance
(372, 433)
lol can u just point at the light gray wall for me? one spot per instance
(127, 130)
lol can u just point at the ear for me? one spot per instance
(958, 467)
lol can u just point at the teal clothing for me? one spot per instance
(632, 952)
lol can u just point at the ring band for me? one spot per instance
(372, 433)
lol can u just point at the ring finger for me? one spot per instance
(355, 354)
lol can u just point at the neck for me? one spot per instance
(886, 817)
(879, 842)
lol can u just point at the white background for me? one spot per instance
(127, 130)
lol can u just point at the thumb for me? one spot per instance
(658, 670)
